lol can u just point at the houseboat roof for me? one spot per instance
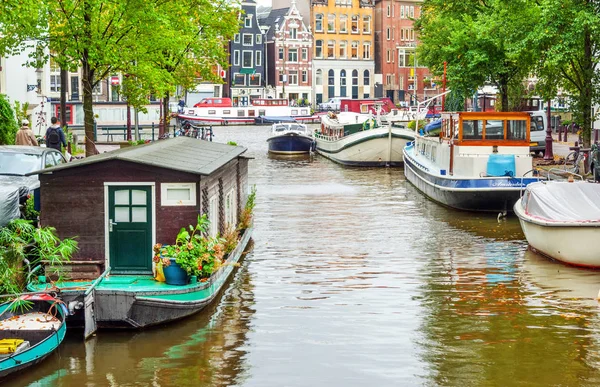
(183, 154)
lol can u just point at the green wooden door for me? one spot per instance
(130, 229)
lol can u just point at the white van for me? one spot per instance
(537, 133)
(331, 104)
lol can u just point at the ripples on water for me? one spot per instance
(356, 279)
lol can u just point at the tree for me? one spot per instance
(108, 37)
(188, 50)
(480, 41)
(567, 38)
(8, 125)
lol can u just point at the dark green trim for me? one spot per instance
(364, 140)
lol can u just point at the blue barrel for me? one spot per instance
(501, 165)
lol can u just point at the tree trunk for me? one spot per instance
(166, 112)
(87, 79)
(503, 89)
(88, 109)
(586, 94)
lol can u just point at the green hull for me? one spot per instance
(138, 301)
(43, 342)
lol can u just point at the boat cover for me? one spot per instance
(559, 201)
(433, 125)
(9, 204)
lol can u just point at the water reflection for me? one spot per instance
(485, 322)
(206, 349)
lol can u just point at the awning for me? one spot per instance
(247, 71)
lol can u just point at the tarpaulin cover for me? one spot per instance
(9, 204)
(559, 201)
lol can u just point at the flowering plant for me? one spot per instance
(193, 251)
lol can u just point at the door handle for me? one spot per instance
(111, 224)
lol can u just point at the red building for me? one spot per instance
(403, 79)
(289, 54)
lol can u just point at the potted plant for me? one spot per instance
(192, 255)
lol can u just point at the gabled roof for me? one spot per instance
(275, 17)
(183, 154)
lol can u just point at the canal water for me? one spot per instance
(356, 279)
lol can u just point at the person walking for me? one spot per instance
(55, 135)
(25, 135)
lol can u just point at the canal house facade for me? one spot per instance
(343, 55)
(247, 59)
(289, 53)
(119, 204)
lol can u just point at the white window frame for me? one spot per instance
(164, 188)
(236, 57)
(244, 52)
(236, 38)
(304, 76)
(248, 21)
(230, 209)
(251, 40)
(258, 39)
(213, 215)
(258, 59)
(55, 86)
(305, 54)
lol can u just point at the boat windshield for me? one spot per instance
(290, 127)
(494, 130)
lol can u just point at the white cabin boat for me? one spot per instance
(262, 110)
(359, 140)
(560, 227)
(478, 162)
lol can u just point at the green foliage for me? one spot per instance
(8, 125)
(232, 143)
(567, 38)
(248, 211)
(196, 254)
(23, 247)
(156, 44)
(30, 212)
(482, 42)
(21, 112)
(411, 125)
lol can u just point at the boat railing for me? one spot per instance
(563, 172)
(97, 281)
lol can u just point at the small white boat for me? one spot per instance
(359, 140)
(562, 220)
(290, 138)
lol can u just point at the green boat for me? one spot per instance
(28, 335)
(139, 301)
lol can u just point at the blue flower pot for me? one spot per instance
(174, 274)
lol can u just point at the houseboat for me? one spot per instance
(480, 161)
(261, 110)
(290, 139)
(123, 203)
(367, 105)
(359, 140)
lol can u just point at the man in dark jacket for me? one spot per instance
(55, 136)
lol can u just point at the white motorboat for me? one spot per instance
(561, 220)
(359, 140)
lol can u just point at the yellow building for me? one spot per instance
(343, 54)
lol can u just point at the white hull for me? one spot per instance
(373, 147)
(575, 244)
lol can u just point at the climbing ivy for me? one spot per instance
(8, 124)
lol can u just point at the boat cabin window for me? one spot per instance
(517, 130)
(473, 129)
(494, 130)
